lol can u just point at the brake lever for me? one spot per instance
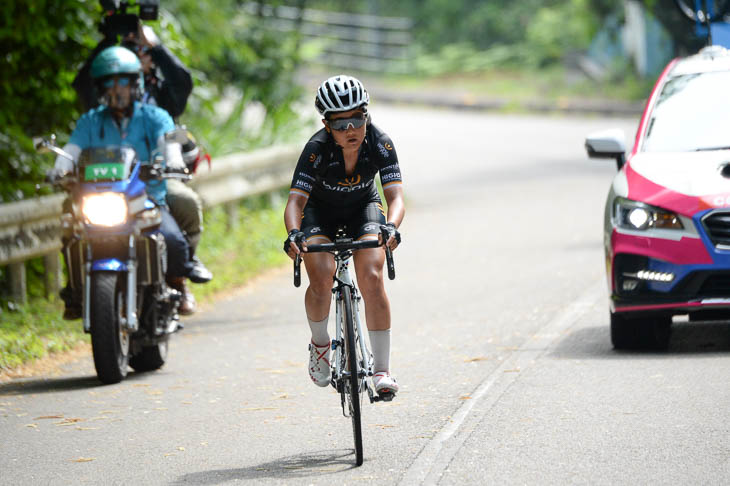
(297, 270)
(384, 234)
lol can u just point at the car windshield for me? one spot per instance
(692, 113)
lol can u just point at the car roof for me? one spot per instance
(708, 59)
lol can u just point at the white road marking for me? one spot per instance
(435, 457)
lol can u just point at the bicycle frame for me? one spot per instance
(343, 278)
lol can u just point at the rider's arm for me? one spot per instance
(80, 138)
(396, 204)
(305, 173)
(158, 124)
(63, 164)
(173, 154)
(177, 84)
(390, 177)
(293, 211)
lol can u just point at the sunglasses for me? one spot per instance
(341, 124)
(108, 83)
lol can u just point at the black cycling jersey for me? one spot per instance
(320, 172)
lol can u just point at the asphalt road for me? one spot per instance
(500, 344)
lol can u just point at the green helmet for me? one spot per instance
(115, 60)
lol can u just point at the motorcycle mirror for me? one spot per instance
(42, 144)
(47, 145)
(178, 135)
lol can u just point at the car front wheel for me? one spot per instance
(645, 332)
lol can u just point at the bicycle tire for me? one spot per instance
(352, 387)
(721, 8)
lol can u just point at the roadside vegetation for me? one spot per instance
(234, 255)
(520, 85)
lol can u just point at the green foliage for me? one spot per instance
(235, 255)
(35, 330)
(242, 66)
(555, 31)
(45, 42)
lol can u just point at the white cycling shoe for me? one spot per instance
(319, 364)
(384, 383)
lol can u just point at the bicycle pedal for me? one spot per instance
(385, 396)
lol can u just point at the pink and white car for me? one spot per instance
(667, 216)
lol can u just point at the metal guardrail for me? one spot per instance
(31, 228)
(347, 40)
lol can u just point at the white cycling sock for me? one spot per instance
(320, 336)
(380, 342)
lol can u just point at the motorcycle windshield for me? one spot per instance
(113, 163)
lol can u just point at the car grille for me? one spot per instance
(717, 225)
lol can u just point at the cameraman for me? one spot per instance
(167, 84)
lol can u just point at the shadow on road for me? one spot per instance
(64, 383)
(699, 338)
(49, 385)
(288, 468)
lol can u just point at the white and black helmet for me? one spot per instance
(340, 93)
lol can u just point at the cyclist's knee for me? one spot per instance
(370, 280)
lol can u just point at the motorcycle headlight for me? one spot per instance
(105, 209)
(634, 215)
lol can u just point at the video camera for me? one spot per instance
(117, 22)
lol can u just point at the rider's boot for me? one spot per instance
(187, 299)
(72, 302)
(199, 273)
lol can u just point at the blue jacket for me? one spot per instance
(148, 123)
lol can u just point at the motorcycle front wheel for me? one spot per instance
(109, 339)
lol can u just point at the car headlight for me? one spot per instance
(634, 215)
(105, 209)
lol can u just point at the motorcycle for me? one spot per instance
(116, 257)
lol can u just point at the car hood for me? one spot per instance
(684, 182)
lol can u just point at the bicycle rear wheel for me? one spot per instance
(352, 385)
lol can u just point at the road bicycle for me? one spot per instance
(353, 361)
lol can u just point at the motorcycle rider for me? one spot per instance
(122, 119)
(167, 84)
(333, 184)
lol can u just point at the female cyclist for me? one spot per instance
(334, 184)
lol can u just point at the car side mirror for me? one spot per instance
(607, 144)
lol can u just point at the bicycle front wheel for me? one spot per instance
(352, 385)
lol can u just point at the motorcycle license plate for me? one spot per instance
(103, 172)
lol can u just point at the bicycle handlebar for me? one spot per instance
(344, 245)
